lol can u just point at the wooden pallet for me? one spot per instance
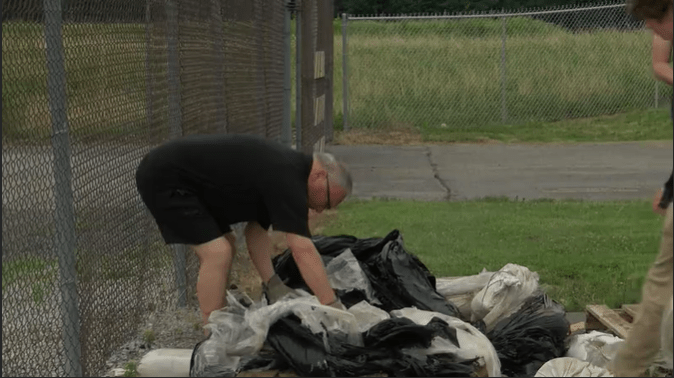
(602, 318)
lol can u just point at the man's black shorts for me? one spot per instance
(181, 216)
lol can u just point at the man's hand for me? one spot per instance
(656, 203)
(275, 290)
(338, 305)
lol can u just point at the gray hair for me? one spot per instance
(337, 171)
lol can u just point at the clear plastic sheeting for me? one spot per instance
(571, 367)
(503, 294)
(471, 342)
(344, 273)
(597, 348)
(237, 331)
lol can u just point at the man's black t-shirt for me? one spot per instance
(240, 177)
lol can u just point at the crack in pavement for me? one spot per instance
(434, 168)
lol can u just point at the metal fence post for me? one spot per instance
(65, 236)
(174, 121)
(327, 40)
(149, 76)
(175, 128)
(504, 109)
(345, 80)
(219, 65)
(298, 80)
(286, 127)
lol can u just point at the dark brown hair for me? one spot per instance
(649, 9)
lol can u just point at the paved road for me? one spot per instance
(526, 171)
(104, 191)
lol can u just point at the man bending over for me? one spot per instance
(197, 186)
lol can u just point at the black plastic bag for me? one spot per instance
(530, 337)
(308, 354)
(329, 247)
(267, 359)
(208, 370)
(398, 278)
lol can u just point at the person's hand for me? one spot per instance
(656, 203)
(276, 290)
(338, 305)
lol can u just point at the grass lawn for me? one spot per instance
(418, 75)
(584, 252)
(423, 74)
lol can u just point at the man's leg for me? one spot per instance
(260, 247)
(215, 262)
(643, 341)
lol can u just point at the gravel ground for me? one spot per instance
(181, 328)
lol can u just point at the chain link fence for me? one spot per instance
(471, 70)
(89, 87)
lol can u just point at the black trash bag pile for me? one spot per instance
(310, 355)
(523, 341)
(290, 345)
(399, 279)
(530, 337)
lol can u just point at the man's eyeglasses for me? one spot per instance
(327, 190)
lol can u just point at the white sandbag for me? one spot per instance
(597, 348)
(165, 362)
(461, 290)
(571, 367)
(472, 343)
(462, 302)
(448, 287)
(503, 294)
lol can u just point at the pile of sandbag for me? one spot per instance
(590, 354)
(399, 321)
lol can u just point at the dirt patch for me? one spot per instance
(397, 137)
(394, 137)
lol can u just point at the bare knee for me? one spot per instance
(218, 252)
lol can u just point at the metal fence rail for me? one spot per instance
(88, 88)
(471, 70)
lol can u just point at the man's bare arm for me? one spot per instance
(661, 52)
(311, 267)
